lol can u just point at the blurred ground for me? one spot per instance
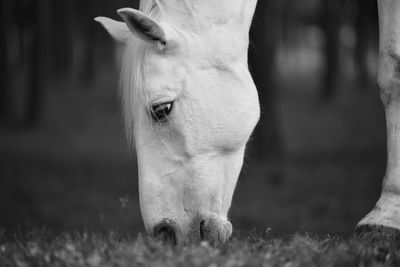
(74, 171)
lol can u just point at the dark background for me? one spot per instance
(315, 162)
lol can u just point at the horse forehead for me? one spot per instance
(219, 47)
(199, 57)
(212, 50)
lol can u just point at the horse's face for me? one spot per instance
(190, 154)
(191, 131)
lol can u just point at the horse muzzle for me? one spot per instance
(202, 228)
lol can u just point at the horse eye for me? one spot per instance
(160, 112)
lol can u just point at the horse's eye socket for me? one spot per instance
(160, 112)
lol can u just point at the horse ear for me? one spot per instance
(118, 30)
(143, 26)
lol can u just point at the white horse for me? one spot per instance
(190, 106)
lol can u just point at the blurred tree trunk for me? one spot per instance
(46, 38)
(34, 86)
(366, 27)
(20, 23)
(3, 61)
(331, 23)
(61, 36)
(262, 66)
(361, 50)
(86, 12)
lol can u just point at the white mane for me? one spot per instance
(133, 71)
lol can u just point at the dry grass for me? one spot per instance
(40, 248)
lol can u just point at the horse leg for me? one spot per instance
(387, 211)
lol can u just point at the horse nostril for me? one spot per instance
(165, 232)
(202, 230)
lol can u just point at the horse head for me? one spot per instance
(190, 106)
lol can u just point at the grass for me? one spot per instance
(41, 248)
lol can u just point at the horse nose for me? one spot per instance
(165, 232)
